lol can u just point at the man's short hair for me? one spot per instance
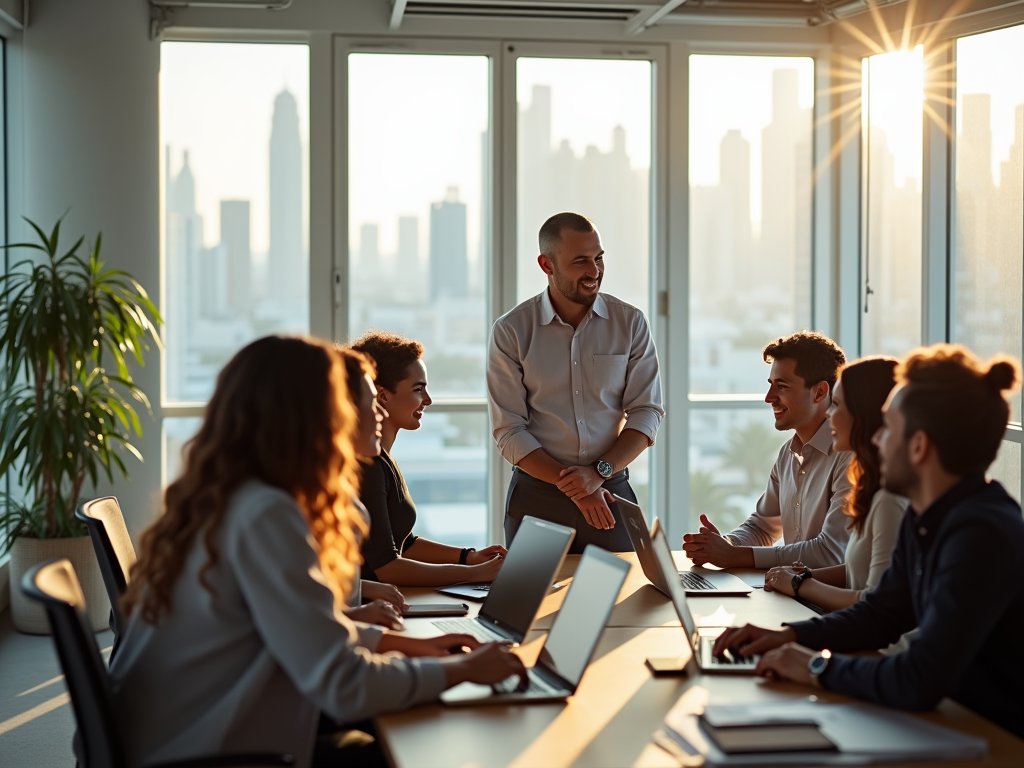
(551, 231)
(817, 357)
(959, 402)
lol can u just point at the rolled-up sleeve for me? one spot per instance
(507, 395)
(642, 399)
(828, 546)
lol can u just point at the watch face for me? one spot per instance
(818, 664)
(604, 469)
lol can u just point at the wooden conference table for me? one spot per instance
(619, 705)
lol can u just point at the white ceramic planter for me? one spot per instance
(29, 616)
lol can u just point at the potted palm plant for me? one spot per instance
(68, 329)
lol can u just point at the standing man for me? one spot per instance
(803, 503)
(575, 393)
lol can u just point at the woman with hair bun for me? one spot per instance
(234, 643)
(875, 513)
(392, 553)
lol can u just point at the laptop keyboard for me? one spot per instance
(511, 685)
(730, 657)
(463, 627)
(695, 581)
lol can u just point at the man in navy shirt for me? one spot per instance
(957, 569)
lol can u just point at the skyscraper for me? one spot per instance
(287, 261)
(783, 192)
(369, 248)
(449, 260)
(235, 238)
(408, 254)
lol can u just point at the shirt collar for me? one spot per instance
(822, 441)
(548, 314)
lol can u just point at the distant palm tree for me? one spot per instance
(710, 498)
(752, 449)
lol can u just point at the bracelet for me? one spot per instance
(464, 554)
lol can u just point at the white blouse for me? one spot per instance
(868, 552)
(250, 669)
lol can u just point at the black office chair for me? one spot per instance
(114, 552)
(55, 586)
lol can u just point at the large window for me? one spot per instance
(750, 164)
(234, 127)
(419, 253)
(584, 145)
(892, 118)
(988, 218)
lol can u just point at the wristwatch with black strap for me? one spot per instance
(604, 469)
(799, 579)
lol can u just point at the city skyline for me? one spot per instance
(221, 296)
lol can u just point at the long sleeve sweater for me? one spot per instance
(956, 573)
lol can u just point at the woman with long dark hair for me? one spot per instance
(235, 641)
(392, 552)
(875, 514)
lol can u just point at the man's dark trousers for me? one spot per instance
(529, 496)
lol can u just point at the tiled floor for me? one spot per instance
(36, 723)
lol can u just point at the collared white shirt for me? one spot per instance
(803, 504)
(571, 391)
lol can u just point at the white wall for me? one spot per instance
(89, 140)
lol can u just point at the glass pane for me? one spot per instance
(988, 240)
(445, 466)
(1006, 468)
(234, 124)
(584, 145)
(177, 431)
(750, 224)
(419, 169)
(731, 456)
(893, 147)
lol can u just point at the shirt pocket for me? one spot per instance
(609, 374)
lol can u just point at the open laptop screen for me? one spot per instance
(668, 569)
(578, 625)
(530, 566)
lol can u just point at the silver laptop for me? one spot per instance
(697, 581)
(569, 645)
(516, 593)
(702, 645)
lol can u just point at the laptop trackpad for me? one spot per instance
(467, 692)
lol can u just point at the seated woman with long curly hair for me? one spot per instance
(235, 643)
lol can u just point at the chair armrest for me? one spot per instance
(252, 760)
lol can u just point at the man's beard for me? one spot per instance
(571, 290)
(897, 475)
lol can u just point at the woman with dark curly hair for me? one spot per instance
(392, 553)
(875, 513)
(234, 643)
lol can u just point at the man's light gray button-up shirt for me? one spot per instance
(803, 504)
(571, 391)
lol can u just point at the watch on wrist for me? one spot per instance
(817, 665)
(464, 554)
(604, 469)
(799, 579)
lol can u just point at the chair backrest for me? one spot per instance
(114, 550)
(55, 585)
